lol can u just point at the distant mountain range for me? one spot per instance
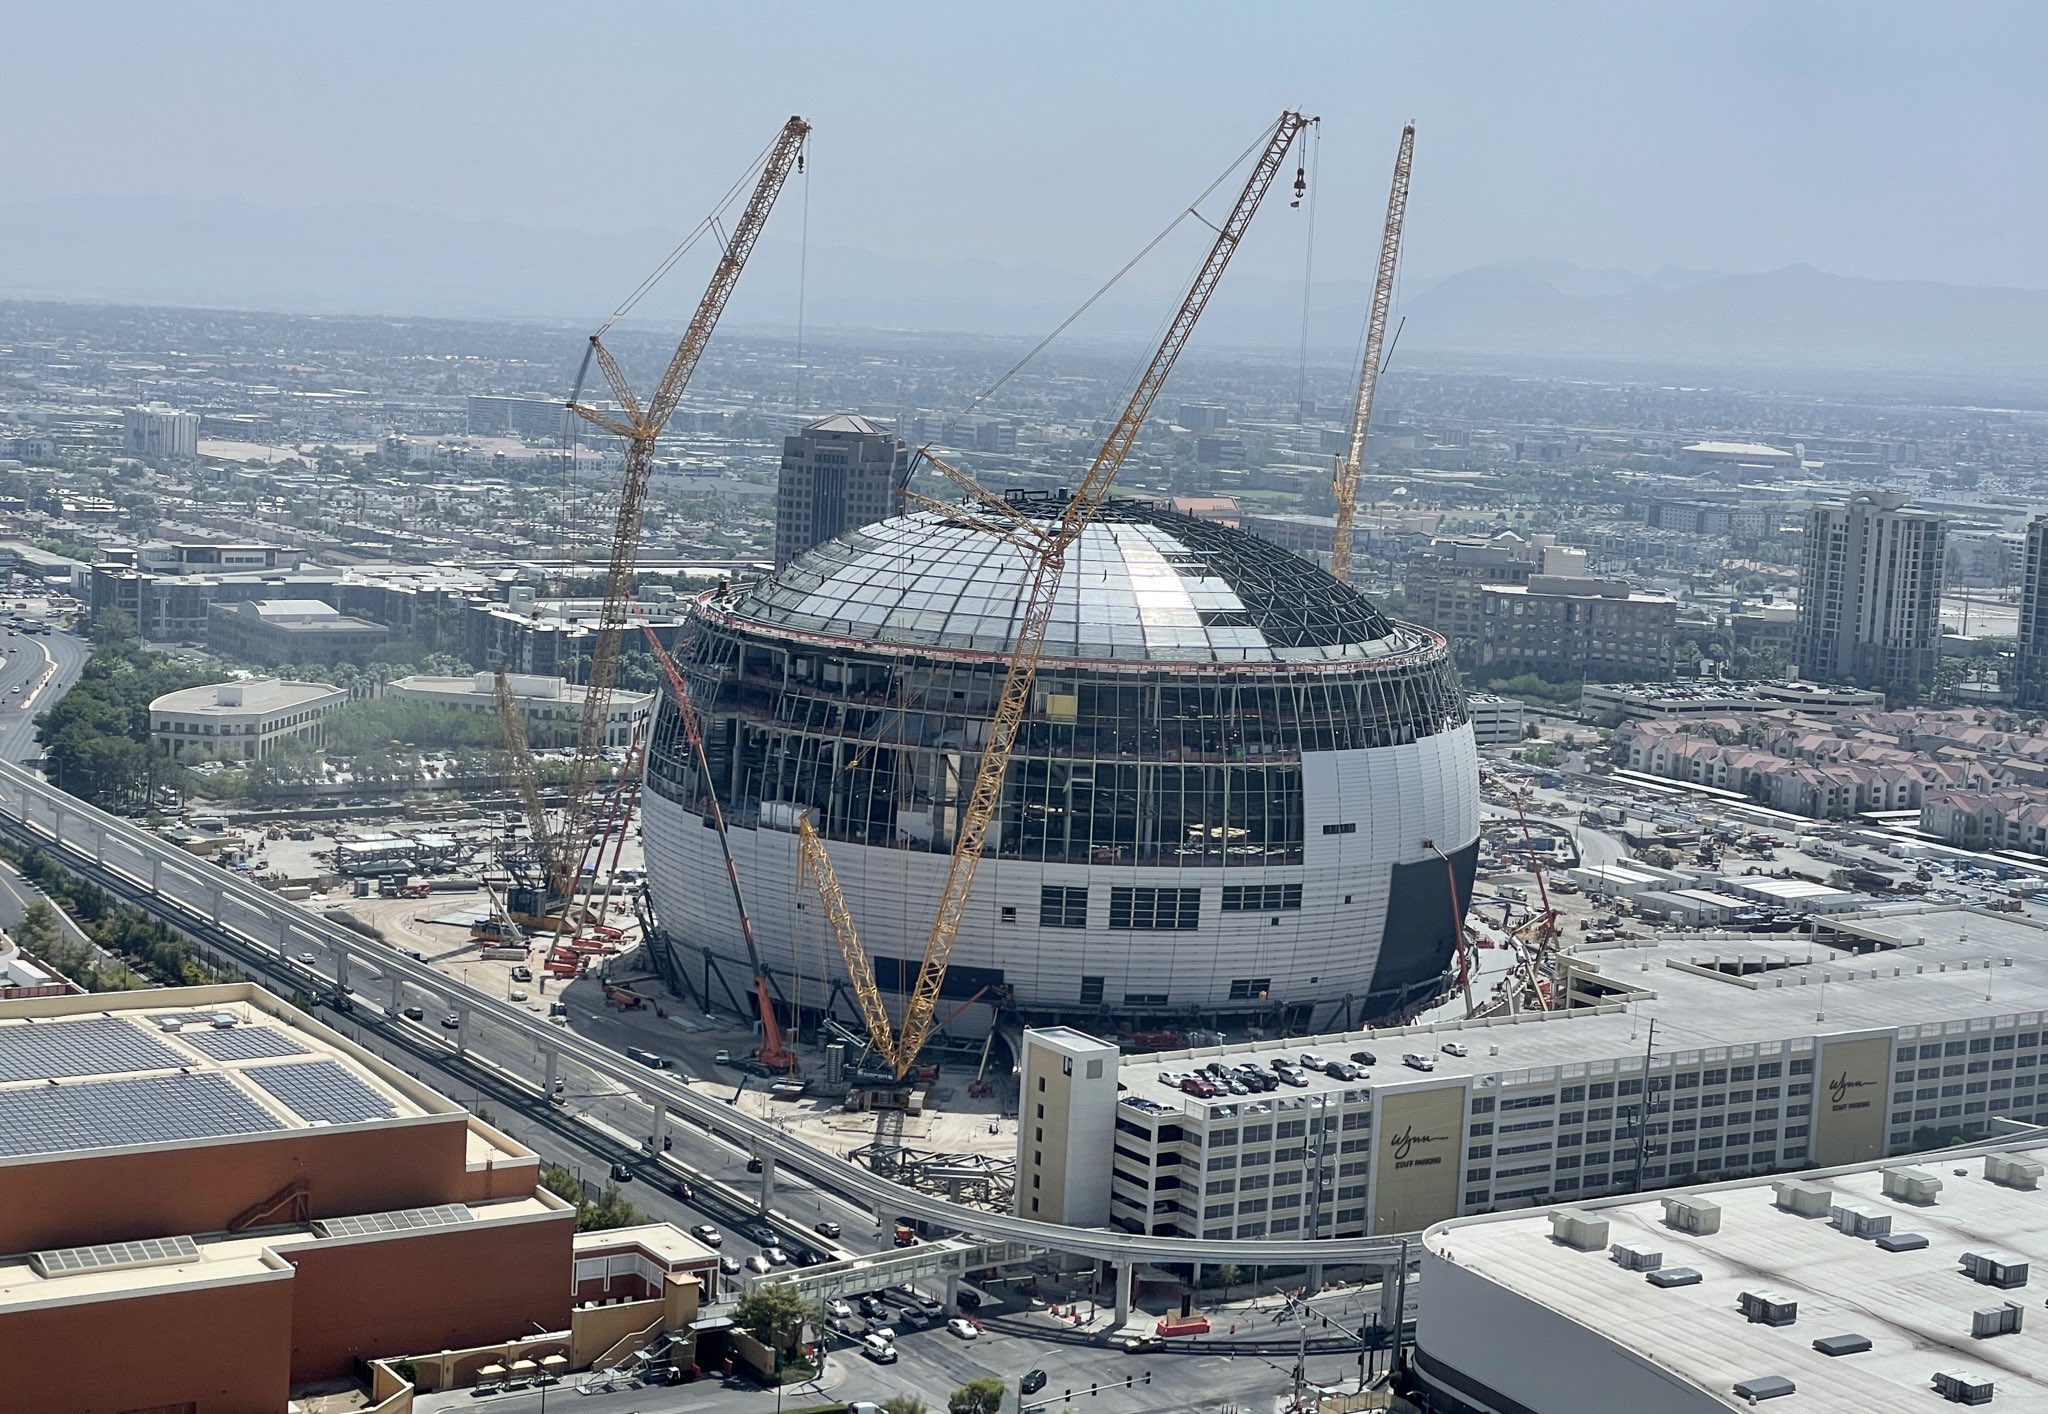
(371, 260)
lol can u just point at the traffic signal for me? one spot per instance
(1092, 1390)
(1148, 1377)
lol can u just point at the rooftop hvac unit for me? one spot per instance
(1963, 1386)
(1846, 1344)
(1666, 1277)
(1768, 1308)
(170, 1026)
(1690, 1213)
(1902, 1241)
(2003, 1270)
(1636, 1259)
(1860, 1220)
(2002, 1319)
(1578, 1229)
(1910, 1185)
(1808, 1200)
(2013, 1170)
(1763, 1387)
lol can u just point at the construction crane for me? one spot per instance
(1346, 481)
(773, 1053)
(639, 428)
(1047, 548)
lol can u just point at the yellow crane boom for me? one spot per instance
(814, 869)
(640, 428)
(1369, 368)
(519, 757)
(1035, 609)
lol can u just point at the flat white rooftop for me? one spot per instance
(1914, 1306)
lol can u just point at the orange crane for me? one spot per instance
(1047, 547)
(1346, 481)
(773, 1053)
(639, 428)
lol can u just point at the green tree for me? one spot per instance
(982, 1396)
(904, 1404)
(608, 1209)
(1227, 1276)
(774, 1314)
(39, 929)
(112, 626)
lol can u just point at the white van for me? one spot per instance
(878, 1350)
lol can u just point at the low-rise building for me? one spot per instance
(273, 631)
(1496, 720)
(246, 719)
(1745, 1073)
(213, 1199)
(1862, 1286)
(552, 706)
(1614, 702)
(1563, 626)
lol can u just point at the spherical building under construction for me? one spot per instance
(1240, 791)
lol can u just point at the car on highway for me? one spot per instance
(1141, 1344)
(708, 1235)
(729, 1265)
(963, 1328)
(682, 1189)
(911, 1296)
(753, 1165)
(871, 1306)
(453, 1021)
(722, 1058)
(913, 1318)
(413, 1013)
(838, 1310)
(652, 1060)
(879, 1350)
(758, 1265)
(1032, 1382)
(776, 1256)
(621, 1174)
(826, 1228)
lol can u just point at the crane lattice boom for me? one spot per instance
(1035, 612)
(640, 429)
(1369, 367)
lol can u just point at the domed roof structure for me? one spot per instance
(1143, 584)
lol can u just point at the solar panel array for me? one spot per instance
(101, 1045)
(115, 1256)
(157, 1109)
(403, 1220)
(244, 1043)
(322, 1090)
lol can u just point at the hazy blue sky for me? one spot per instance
(1869, 139)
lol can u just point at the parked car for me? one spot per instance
(1455, 1048)
(1365, 1057)
(1416, 1061)
(871, 1306)
(838, 1310)
(522, 974)
(722, 1058)
(963, 1328)
(914, 1318)
(878, 1350)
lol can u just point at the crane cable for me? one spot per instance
(1257, 144)
(668, 263)
(803, 270)
(1308, 270)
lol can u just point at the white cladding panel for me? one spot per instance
(1396, 796)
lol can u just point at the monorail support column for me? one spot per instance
(767, 1182)
(550, 1071)
(1125, 1272)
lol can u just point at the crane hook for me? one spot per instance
(1300, 181)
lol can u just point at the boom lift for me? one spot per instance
(1346, 485)
(1048, 547)
(639, 428)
